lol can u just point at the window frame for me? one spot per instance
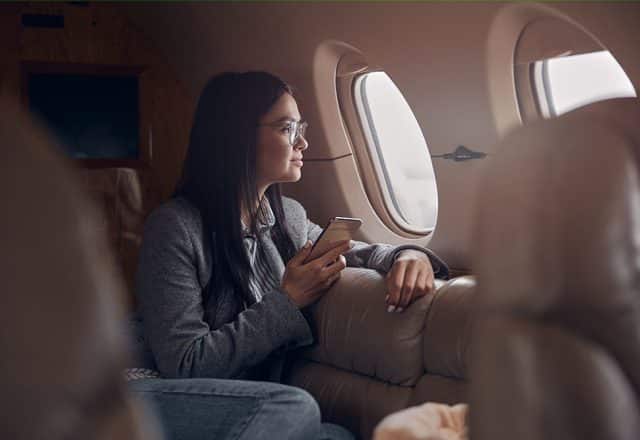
(351, 68)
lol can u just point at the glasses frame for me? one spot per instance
(298, 129)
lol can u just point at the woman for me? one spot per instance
(221, 281)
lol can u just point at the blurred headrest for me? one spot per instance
(622, 113)
(61, 339)
(558, 228)
(558, 214)
(556, 341)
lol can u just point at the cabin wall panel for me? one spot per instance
(616, 26)
(99, 34)
(9, 51)
(435, 52)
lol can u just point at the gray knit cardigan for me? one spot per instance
(223, 340)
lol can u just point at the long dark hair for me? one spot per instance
(219, 173)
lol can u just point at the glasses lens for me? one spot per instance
(302, 129)
(297, 129)
(293, 132)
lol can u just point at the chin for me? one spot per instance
(294, 175)
(289, 176)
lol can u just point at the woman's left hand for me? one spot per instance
(410, 277)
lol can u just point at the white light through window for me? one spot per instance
(400, 152)
(565, 83)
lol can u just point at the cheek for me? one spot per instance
(261, 165)
(272, 163)
(264, 160)
(273, 157)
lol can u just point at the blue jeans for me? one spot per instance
(207, 409)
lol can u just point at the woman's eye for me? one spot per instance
(286, 129)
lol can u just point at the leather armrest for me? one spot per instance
(355, 332)
(447, 331)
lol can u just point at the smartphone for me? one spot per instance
(338, 229)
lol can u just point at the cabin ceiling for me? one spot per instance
(200, 39)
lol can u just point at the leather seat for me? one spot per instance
(368, 363)
(62, 347)
(556, 340)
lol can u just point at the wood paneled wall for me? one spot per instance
(100, 34)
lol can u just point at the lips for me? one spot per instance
(297, 162)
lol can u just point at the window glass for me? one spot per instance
(565, 83)
(400, 152)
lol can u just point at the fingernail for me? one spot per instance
(390, 309)
(399, 310)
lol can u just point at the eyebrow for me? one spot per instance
(287, 119)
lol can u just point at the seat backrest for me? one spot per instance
(123, 198)
(61, 338)
(556, 344)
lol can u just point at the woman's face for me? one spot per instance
(277, 160)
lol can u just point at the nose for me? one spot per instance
(301, 144)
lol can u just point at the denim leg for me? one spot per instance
(335, 432)
(203, 409)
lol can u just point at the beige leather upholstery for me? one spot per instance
(556, 350)
(446, 342)
(61, 342)
(368, 363)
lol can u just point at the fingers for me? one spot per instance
(427, 279)
(422, 285)
(335, 267)
(408, 285)
(331, 273)
(332, 279)
(407, 281)
(304, 282)
(302, 254)
(429, 282)
(322, 285)
(394, 286)
(332, 255)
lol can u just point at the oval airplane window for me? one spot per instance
(399, 152)
(560, 66)
(565, 83)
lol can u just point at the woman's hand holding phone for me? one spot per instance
(305, 283)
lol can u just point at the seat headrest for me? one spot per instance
(560, 200)
(558, 263)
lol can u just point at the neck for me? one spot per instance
(261, 190)
(244, 212)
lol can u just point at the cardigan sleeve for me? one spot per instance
(380, 256)
(169, 296)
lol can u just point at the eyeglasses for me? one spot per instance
(294, 129)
